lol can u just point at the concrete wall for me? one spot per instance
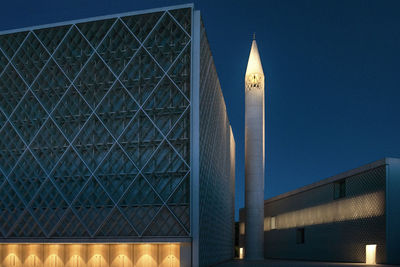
(335, 229)
(393, 211)
(216, 169)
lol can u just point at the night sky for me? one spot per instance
(332, 76)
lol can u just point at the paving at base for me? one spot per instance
(287, 263)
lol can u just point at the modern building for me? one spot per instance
(115, 144)
(349, 217)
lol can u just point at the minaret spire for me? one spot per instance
(254, 155)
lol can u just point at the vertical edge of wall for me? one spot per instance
(185, 254)
(233, 177)
(195, 130)
(392, 211)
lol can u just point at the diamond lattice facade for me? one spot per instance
(100, 134)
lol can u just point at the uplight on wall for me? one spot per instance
(241, 253)
(273, 223)
(370, 254)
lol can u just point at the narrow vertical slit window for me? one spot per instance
(300, 236)
(339, 189)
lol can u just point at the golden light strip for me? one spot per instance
(364, 206)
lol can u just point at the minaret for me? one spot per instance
(254, 156)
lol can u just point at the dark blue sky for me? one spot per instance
(332, 76)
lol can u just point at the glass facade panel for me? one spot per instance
(95, 128)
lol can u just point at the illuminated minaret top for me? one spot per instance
(254, 71)
(254, 156)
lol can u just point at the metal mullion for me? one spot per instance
(57, 104)
(176, 218)
(95, 176)
(1, 185)
(8, 119)
(80, 130)
(22, 200)
(150, 32)
(115, 81)
(172, 64)
(183, 29)
(180, 117)
(27, 147)
(163, 205)
(15, 53)
(40, 103)
(152, 219)
(150, 157)
(75, 198)
(34, 218)
(176, 188)
(126, 218)
(8, 62)
(165, 136)
(31, 212)
(27, 206)
(142, 45)
(173, 192)
(62, 133)
(141, 108)
(104, 221)
(79, 72)
(59, 191)
(158, 195)
(61, 219)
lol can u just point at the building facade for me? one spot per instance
(112, 131)
(337, 218)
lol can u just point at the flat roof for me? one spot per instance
(363, 168)
(131, 13)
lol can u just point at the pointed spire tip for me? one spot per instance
(254, 36)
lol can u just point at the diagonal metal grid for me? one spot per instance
(95, 128)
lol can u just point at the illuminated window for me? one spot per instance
(339, 189)
(241, 253)
(370, 254)
(300, 235)
(273, 223)
(241, 228)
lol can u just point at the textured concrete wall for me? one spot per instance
(335, 239)
(216, 174)
(335, 229)
(393, 211)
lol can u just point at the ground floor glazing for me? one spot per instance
(90, 255)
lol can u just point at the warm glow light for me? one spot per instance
(273, 223)
(241, 253)
(365, 206)
(241, 228)
(370, 254)
(90, 255)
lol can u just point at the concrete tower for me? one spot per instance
(254, 156)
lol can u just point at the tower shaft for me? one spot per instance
(254, 156)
